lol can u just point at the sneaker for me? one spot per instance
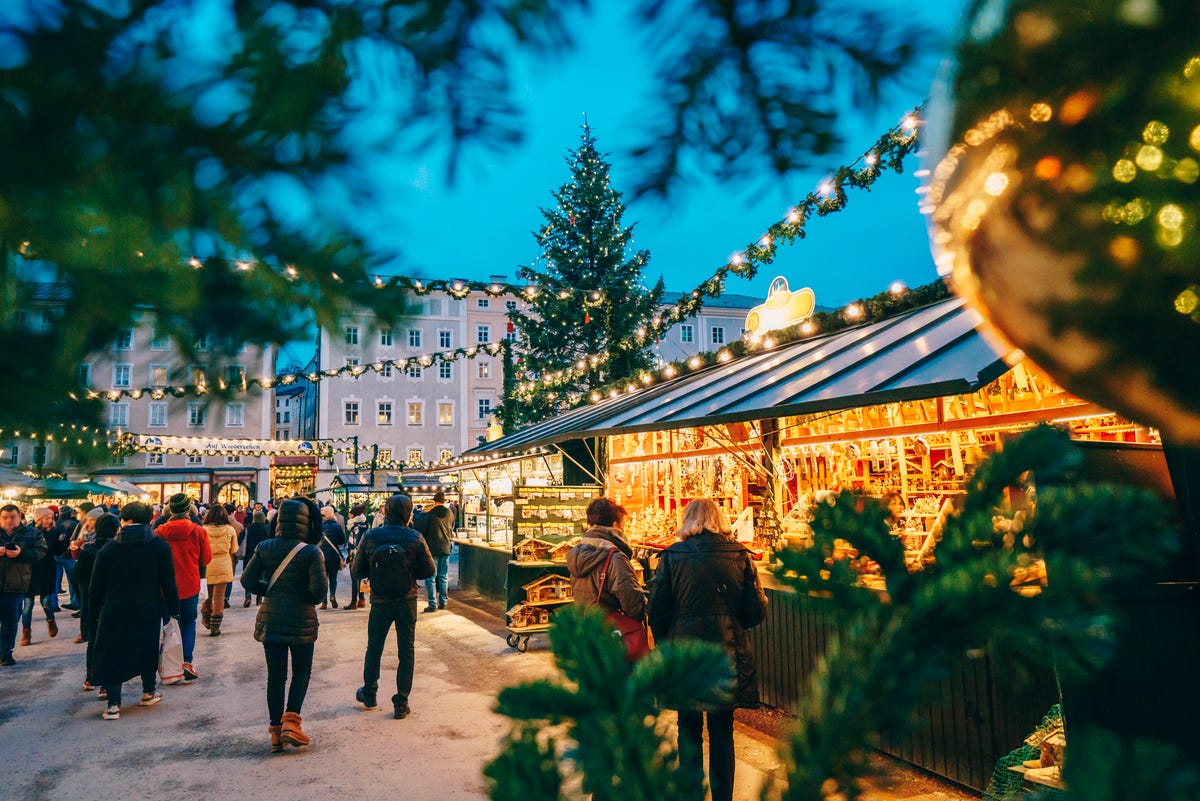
(366, 700)
(103, 694)
(150, 699)
(7, 661)
(189, 672)
(112, 713)
(88, 686)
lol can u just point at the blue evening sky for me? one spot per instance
(481, 225)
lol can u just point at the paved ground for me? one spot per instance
(208, 740)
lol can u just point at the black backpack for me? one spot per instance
(391, 574)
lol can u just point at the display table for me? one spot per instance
(483, 569)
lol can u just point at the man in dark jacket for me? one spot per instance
(21, 547)
(437, 527)
(604, 544)
(395, 557)
(42, 585)
(132, 594)
(58, 542)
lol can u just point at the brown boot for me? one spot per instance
(206, 614)
(52, 627)
(276, 740)
(292, 734)
(214, 625)
(26, 636)
(246, 603)
(352, 605)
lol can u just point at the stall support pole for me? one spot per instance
(772, 460)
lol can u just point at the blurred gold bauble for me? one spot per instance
(1066, 208)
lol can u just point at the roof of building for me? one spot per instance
(725, 301)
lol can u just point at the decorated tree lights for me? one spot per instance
(1065, 210)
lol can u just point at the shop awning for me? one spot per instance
(122, 486)
(14, 479)
(925, 353)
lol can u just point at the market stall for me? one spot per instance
(908, 405)
(369, 490)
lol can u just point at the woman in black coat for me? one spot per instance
(132, 593)
(706, 588)
(287, 620)
(106, 528)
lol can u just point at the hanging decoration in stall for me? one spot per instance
(782, 309)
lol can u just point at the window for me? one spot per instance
(385, 455)
(385, 337)
(352, 335)
(201, 342)
(416, 413)
(233, 460)
(283, 433)
(159, 375)
(84, 376)
(351, 361)
(119, 461)
(446, 371)
(416, 455)
(414, 337)
(384, 409)
(118, 415)
(386, 372)
(445, 414)
(122, 375)
(718, 335)
(445, 454)
(350, 413)
(511, 334)
(445, 338)
(483, 408)
(196, 414)
(511, 305)
(72, 460)
(198, 377)
(413, 371)
(483, 303)
(14, 454)
(235, 375)
(483, 334)
(687, 333)
(158, 415)
(159, 340)
(154, 460)
(235, 414)
(194, 460)
(484, 368)
(123, 340)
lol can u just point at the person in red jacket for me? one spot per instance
(190, 551)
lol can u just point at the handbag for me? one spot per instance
(341, 557)
(170, 653)
(632, 632)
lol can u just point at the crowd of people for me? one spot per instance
(131, 570)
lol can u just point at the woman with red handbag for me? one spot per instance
(706, 588)
(602, 575)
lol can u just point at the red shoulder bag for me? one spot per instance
(632, 632)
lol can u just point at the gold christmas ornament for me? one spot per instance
(1064, 206)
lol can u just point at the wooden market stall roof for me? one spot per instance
(925, 353)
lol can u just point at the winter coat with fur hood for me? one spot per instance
(586, 564)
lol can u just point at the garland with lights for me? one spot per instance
(895, 300)
(886, 155)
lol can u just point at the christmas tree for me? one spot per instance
(583, 246)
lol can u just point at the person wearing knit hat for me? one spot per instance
(41, 586)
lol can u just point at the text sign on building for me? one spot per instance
(218, 445)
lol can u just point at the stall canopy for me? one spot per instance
(926, 353)
(14, 479)
(122, 486)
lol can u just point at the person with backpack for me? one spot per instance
(289, 571)
(394, 557)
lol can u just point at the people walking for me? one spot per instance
(257, 531)
(222, 541)
(190, 552)
(706, 588)
(437, 527)
(394, 557)
(600, 563)
(106, 528)
(59, 546)
(21, 547)
(333, 541)
(289, 572)
(356, 528)
(132, 592)
(42, 585)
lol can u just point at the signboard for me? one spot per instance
(220, 446)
